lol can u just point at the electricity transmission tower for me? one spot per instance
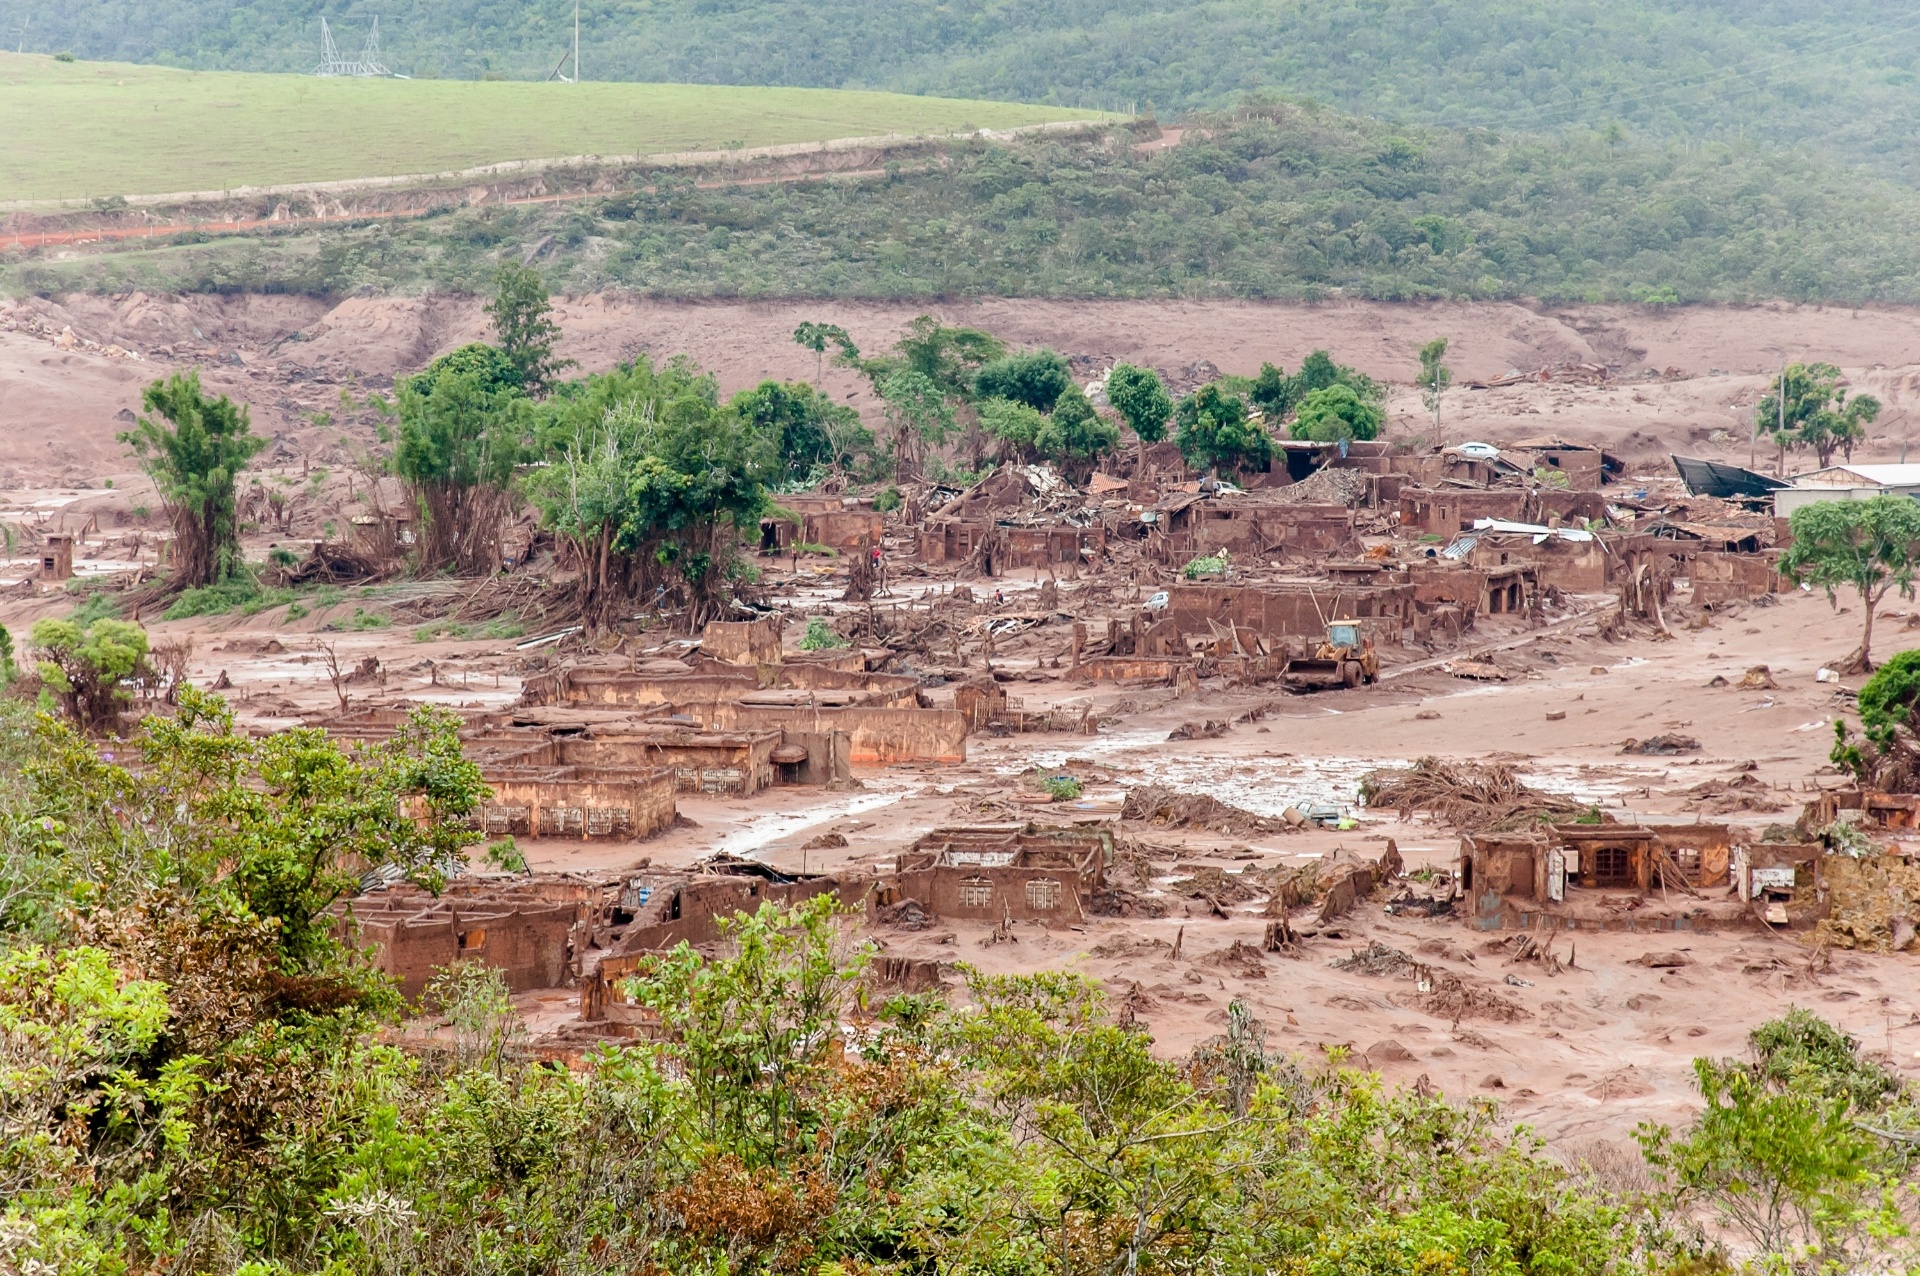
(366, 66)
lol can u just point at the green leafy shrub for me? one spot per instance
(1206, 565)
(820, 637)
(87, 669)
(1062, 788)
(212, 600)
(503, 627)
(887, 500)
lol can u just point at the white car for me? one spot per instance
(1478, 451)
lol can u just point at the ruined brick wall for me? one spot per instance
(876, 737)
(850, 531)
(413, 935)
(581, 802)
(742, 642)
(1720, 578)
(1449, 511)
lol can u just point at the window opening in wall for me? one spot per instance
(1043, 893)
(976, 892)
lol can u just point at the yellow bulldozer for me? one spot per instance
(1345, 658)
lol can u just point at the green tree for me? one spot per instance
(1867, 545)
(1272, 392)
(809, 430)
(817, 336)
(1785, 1167)
(918, 415)
(1074, 436)
(1142, 401)
(193, 448)
(1016, 425)
(951, 358)
(1318, 371)
(1215, 430)
(461, 433)
(1808, 407)
(89, 669)
(1434, 379)
(652, 491)
(1336, 413)
(523, 322)
(1036, 378)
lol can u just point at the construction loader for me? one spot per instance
(1344, 659)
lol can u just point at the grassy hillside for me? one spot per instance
(1839, 75)
(1284, 202)
(77, 129)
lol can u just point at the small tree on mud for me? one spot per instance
(459, 438)
(650, 485)
(87, 670)
(193, 448)
(1868, 545)
(523, 320)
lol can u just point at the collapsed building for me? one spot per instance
(1600, 877)
(817, 713)
(1000, 873)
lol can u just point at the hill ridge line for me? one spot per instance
(664, 159)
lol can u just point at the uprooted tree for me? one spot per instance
(1868, 545)
(193, 448)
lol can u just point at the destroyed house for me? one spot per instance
(1253, 524)
(1000, 872)
(689, 759)
(1570, 559)
(1448, 511)
(804, 703)
(516, 926)
(844, 524)
(1059, 548)
(1586, 467)
(1276, 613)
(1577, 876)
(689, 909)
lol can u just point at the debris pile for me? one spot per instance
(1375, 959)
(1471, 796)
(1156, 804)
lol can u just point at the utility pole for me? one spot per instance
(576, 41)
(1780, 434)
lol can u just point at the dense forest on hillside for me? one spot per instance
(1278, 202)
(1835, 74)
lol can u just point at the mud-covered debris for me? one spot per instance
(1375, 959)
(1663, 745)
(1211, 729)
(1239, 958)
(906, 915)
(1472, 796)
(1157, 804)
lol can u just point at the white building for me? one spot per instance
(1847, 483)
